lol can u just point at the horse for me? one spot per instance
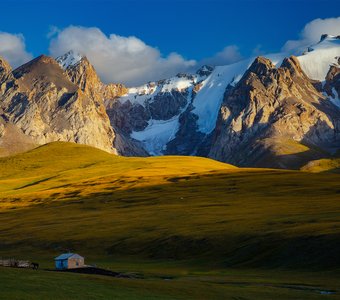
(34, 266)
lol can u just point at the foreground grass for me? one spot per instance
(230, 284)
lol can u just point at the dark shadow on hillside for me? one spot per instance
(321, 144)
(65, 98)
(207, 236)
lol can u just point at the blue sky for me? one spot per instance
(195, 30)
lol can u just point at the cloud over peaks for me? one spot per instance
(230, 54)
(117, 58)
(312, 32)
(13, 49)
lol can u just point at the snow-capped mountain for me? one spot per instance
(69, 59)
(155, 109)
(316, 61)
(179, 115)
(274, 111)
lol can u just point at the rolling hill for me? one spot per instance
(69, 196)
(62, 170)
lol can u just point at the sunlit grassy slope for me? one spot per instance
(287, 153)
(64, 170)
(323, 165)
(65, 196)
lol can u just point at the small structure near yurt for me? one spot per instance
(14, 263)
(69, 261)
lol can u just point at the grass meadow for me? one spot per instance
(193, 228)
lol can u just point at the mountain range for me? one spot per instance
(277, 111)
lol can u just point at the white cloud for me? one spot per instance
(230, 54)
(53, 31)
(312, 32)
(117, 58)
(13, 49)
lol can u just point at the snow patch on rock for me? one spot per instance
(70, 58)
(157, 134)
(209, 99)
(146, 92)
(316, 62)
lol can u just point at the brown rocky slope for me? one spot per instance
(275, 117)
(42, 104)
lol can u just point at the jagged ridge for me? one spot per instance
(259, 112)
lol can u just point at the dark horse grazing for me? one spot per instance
(34, 266)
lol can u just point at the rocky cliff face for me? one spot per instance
(80, 72)
(44, 105)
(5, 73)
(270, 114)
(332, 84)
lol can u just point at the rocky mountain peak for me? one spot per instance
(5, 70)
(69, 59)
(35, 63)
(205, 70)
(84, 76)
(293, 65)
(270, 108)
(82, 73)
(40, 63)
(42, 72)
(261, 65)
(43, 104)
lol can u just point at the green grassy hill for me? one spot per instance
(196, 213)
(67, 196)
(66, 170)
